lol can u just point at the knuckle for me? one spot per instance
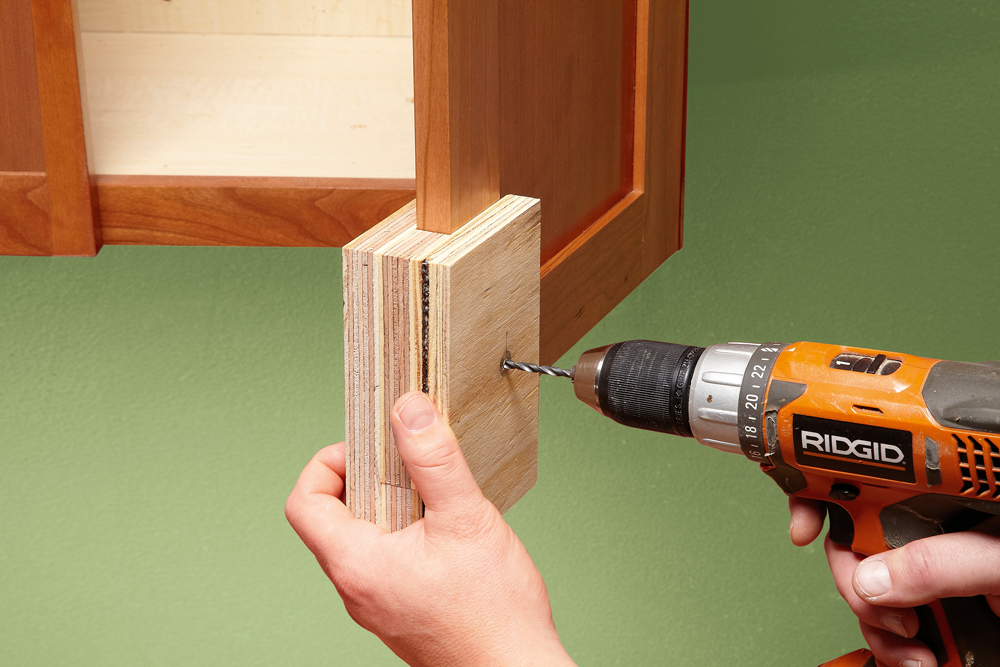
(351, 588)
(918, 565)
(292, 509)
(440, 455)
(861, 609)
(348, 572)
(481, 519)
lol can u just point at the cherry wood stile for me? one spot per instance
(456, 70)
(72, 196)
(24, 217)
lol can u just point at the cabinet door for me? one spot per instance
(579, 103)
(593, 125)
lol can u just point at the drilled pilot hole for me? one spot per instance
(504, 360)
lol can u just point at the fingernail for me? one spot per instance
(894, 624)
(417, 413)
(910, 663)
(872, 579)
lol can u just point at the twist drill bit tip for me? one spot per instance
(535, 368)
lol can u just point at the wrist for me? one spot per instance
(543, 653)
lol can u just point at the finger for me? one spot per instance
(890, 649)
(325, 472)
(433, 458)
(314, 508)
(843, 562)
(942, 566)
(807, 520)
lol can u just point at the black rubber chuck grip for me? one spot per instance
(645, 384)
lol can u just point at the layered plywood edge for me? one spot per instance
(440, 313)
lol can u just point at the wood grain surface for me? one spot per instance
(483, 308)
(598, 268)
(243, 211)
(250, 105)
(592, 100)
(456, 60)
(24, 214)
(260, 17)
(567, 121)
(440, 313)
(72, 205)
(21, 148)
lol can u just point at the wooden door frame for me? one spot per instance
(604, 263)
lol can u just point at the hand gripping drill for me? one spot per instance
(898, 447)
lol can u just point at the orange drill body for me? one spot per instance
(898, 447)
(962, 467)
(892, 402)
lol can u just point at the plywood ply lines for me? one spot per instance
(439, 313)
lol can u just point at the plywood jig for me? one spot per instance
(440, 313)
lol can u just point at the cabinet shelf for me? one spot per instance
(250, 105)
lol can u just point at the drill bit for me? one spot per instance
(535, 368)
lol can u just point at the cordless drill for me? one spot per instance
(898, 447)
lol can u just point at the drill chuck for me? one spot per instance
(678, 389)
(640, 383)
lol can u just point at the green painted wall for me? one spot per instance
(156, 404)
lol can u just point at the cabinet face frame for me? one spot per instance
(56, 207)
(49, 207)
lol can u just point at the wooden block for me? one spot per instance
(440, 313)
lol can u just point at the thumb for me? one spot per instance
(432, 457)
(942, 566)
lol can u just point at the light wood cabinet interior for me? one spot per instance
(293, 88)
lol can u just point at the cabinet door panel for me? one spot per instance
(593, 98)
(21, 147)
(567, 95)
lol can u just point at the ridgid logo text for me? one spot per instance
(860, 449)
(838, 445)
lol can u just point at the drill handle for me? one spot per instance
(961, 632)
